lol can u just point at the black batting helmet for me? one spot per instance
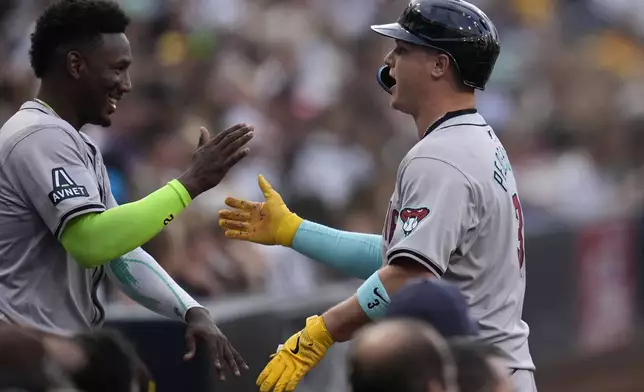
(454, 27)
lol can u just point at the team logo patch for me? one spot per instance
(411, 217)
(64, 187)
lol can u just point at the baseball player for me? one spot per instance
(455, 213)
(61, 231)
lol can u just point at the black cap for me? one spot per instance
(437, 302)
(454, 27)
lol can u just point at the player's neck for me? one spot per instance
(59, 103)
(432, 111)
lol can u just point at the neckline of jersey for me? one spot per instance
(449, 116)
(46, 105)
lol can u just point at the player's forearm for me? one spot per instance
(97, 238)
(345, 319)
(142, 279)
(354, 254)
(371, 301)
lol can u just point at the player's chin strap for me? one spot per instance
(384, 79)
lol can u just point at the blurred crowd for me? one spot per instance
(96, 361)
(566, 98)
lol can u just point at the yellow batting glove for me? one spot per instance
(269, 222)
(296, 357)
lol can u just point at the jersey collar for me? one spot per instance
(448, 116)
(40, 106)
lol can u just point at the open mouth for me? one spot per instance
(386, 81)
(113, 101)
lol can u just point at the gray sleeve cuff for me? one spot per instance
(417, 257)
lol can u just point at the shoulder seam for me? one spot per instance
(27, 135)
(2, 168)
(472, 189)
(438, 160)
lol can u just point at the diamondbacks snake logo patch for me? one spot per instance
(411, 217)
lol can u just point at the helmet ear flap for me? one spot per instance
(384, 79)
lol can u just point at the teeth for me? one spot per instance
(113, 102)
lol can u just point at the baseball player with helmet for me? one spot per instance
(455, 213)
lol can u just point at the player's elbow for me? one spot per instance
(84, 255)
(411, 269)
(90, 262)
(401, 271)
(83, 247)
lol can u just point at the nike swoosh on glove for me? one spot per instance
(296, 357)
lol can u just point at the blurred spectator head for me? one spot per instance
(111, 364)
(25, 364)
(436, 302)
(79, 51)
(402, 356)
(479, 369)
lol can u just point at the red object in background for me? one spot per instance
(606, 286)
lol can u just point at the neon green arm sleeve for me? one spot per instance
(97, 238)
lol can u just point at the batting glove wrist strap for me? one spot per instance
(287, 227)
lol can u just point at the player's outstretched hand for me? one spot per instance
(269, 222)
(200, 327)
(214, 157)
(296, 357)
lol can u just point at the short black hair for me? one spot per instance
(475, 373)
(24, 363)
(72, 22)
(111, 362)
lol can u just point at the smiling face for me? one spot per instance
(102, 77)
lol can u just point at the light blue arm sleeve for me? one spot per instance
(355, 254)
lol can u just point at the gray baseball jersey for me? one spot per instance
(455, 209)
(50, 173)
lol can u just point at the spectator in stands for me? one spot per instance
(442, 305)
(110, 364)
(401, 356)
(25, 364)
(479, 369)
(66, 352)
(436, 302)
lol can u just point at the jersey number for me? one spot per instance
(519, 215)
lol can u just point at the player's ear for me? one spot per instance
(439, 65)
(75, 64)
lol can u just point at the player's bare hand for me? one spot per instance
(269, 222)
(215, 156)
(200, 327)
